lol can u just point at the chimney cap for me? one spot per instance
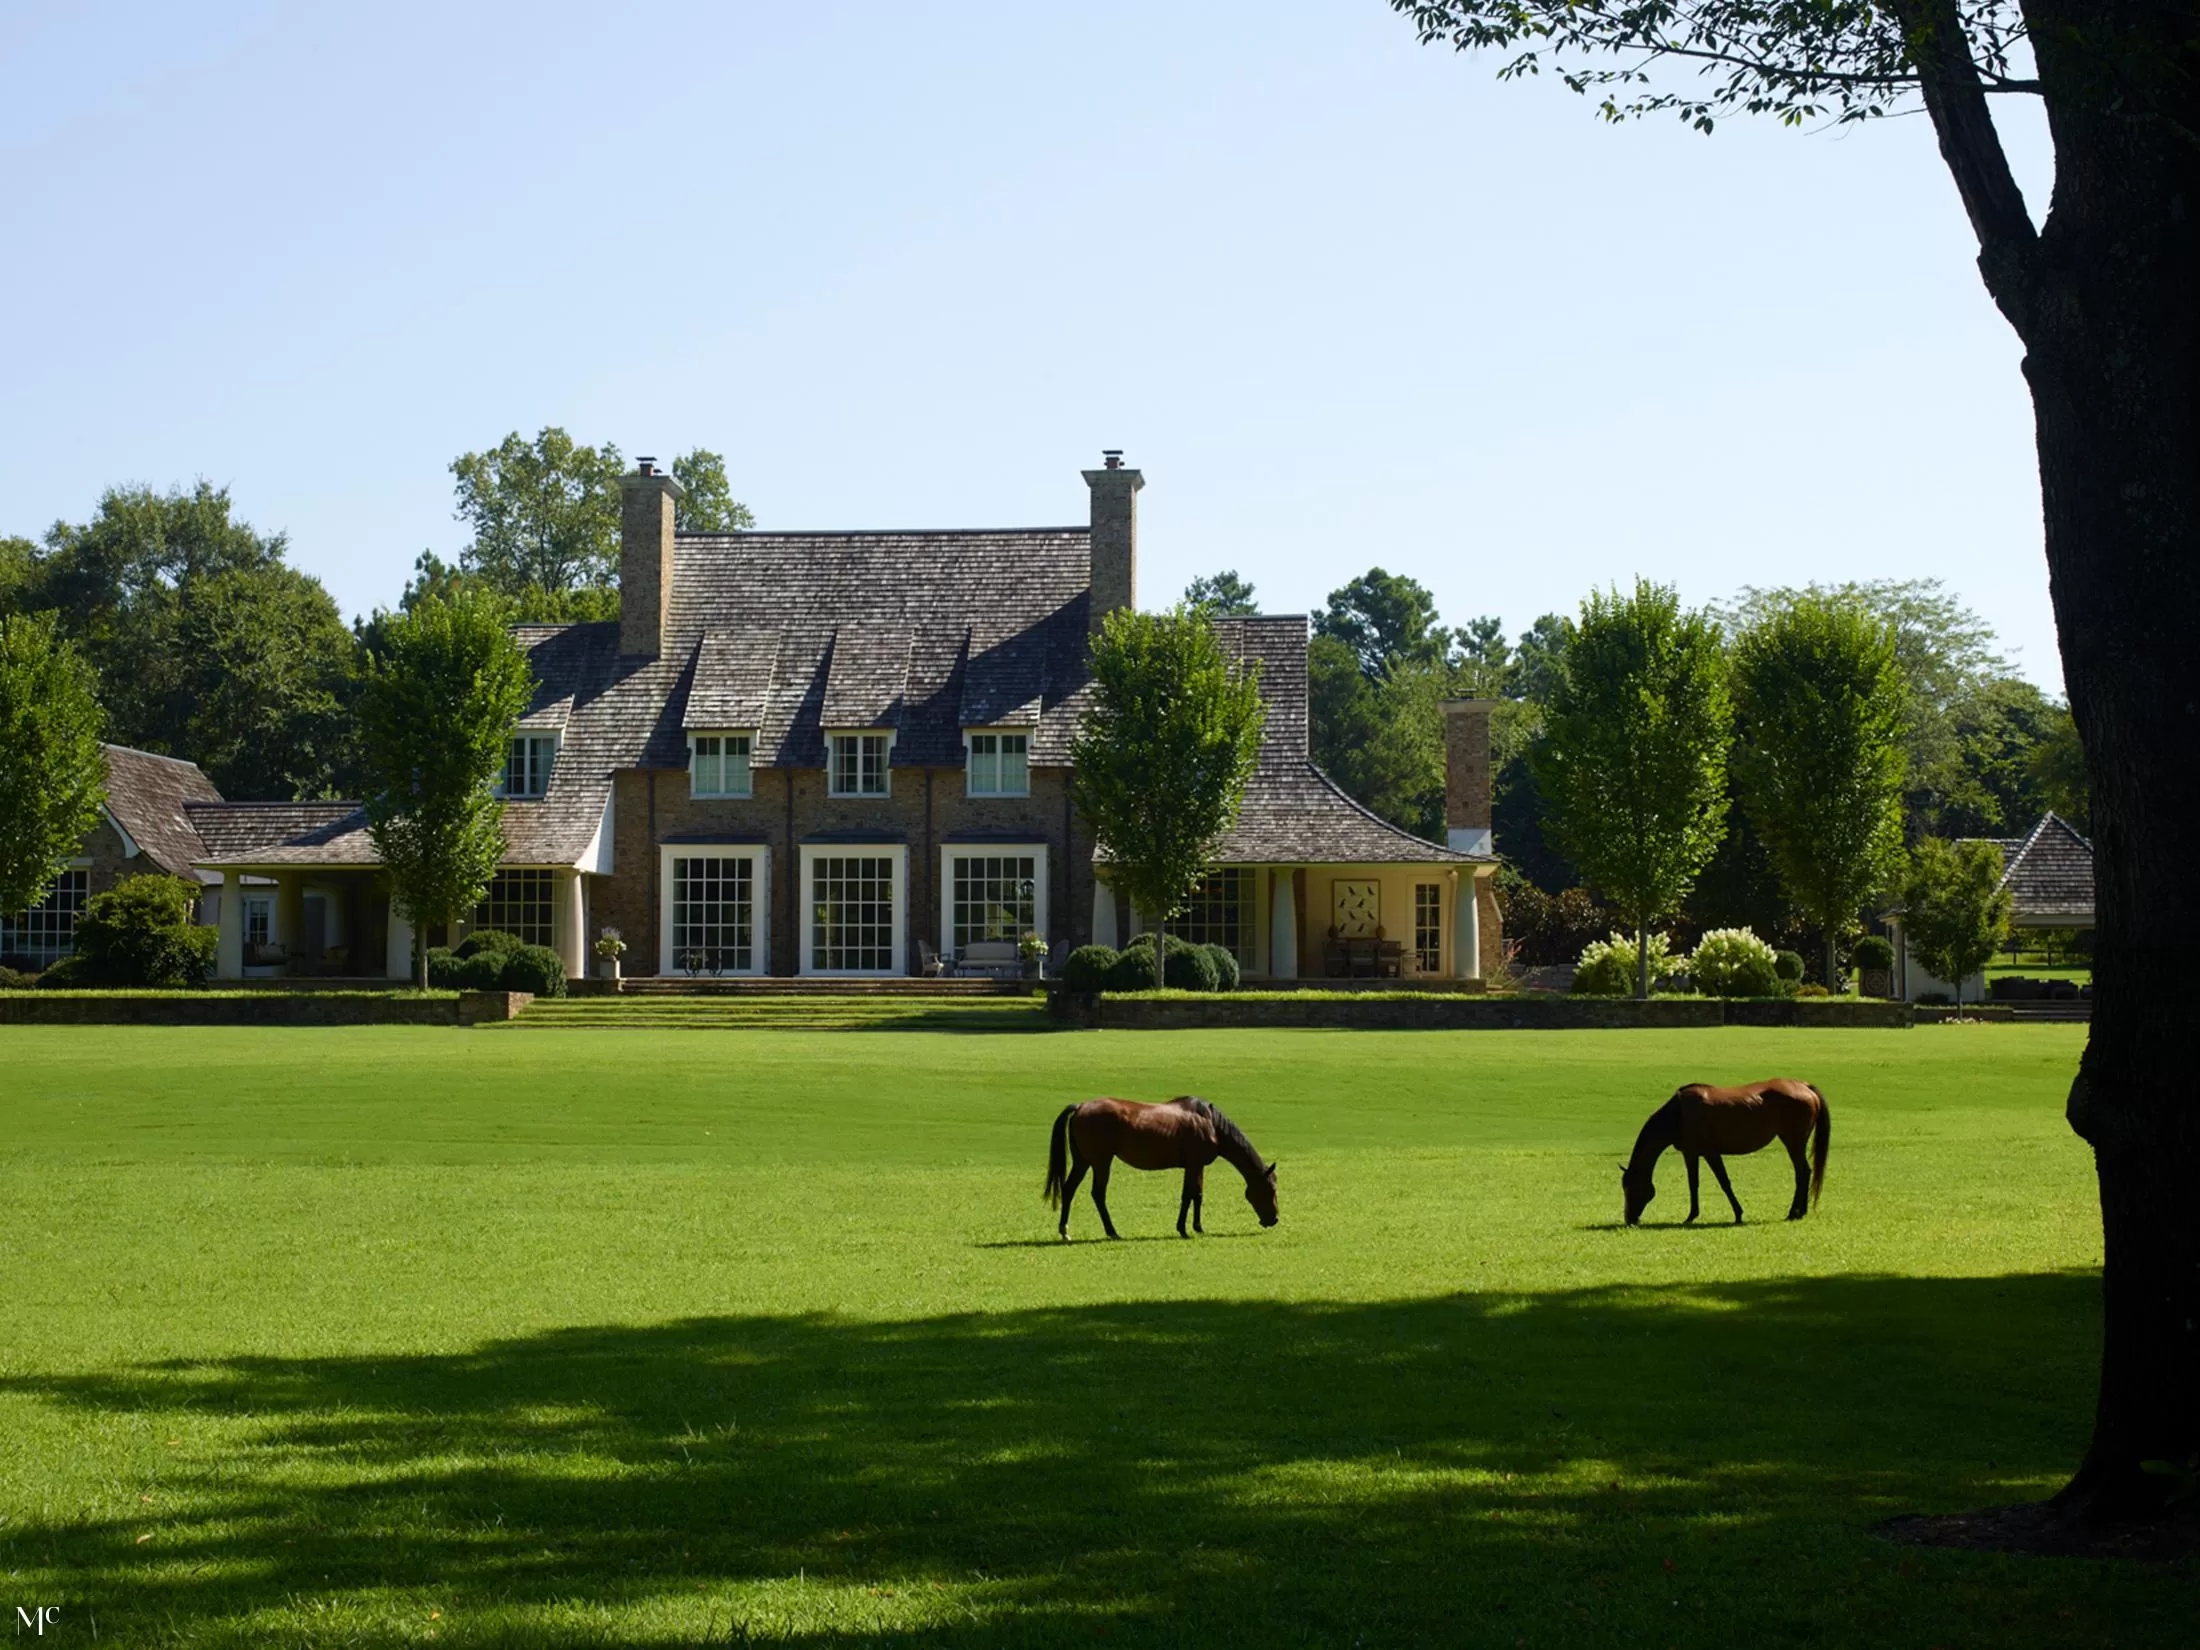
(645, 466)
(1111, 457)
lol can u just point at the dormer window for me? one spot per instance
(857, 764)
(528, 760)
(718, 764)
(1000, 764)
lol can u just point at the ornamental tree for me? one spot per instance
(1163, 754)
(2099, 289)
(1632, 763)
(53, 774)
(1819, 764)
(435, 721)
(1955, 911)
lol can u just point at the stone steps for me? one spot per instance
(793, 1012)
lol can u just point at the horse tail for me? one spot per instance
(1820, 1142)
(1058, 1158)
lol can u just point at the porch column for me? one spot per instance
(290, 915)
(398, 954)
(568, 922)
(229, 944)
(1103, 914)
(1283, 928)
(1466, 933)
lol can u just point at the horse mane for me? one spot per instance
(1662, 1125)
(1230, 1137)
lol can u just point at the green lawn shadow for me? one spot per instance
(1181, 1472)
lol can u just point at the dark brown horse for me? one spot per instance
(1712, 1124)
(1185, 1133)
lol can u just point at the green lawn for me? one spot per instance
(667, 1337)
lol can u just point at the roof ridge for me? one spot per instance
(877, 533)
(329, 802)
(157, 756)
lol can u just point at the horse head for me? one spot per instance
(1260, 1192)
(1637, 1191)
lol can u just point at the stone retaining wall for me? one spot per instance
(270, 1008)
(1460, 1013)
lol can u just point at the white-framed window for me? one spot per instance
(718, 764)
(852, 908)
(46, 932)
(528, 760)
(715, 916)
(1221, 913)
(856, 764)
(1000, 764)
(1428, 927)
(259, 920)
(518, 903)
(991, 892)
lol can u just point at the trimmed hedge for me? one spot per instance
(1190, 969)
(1227, 973)
(1087, 968)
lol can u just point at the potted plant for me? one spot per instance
(609, 949)
(1032, 947)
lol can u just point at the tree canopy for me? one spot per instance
(53, 774)
(1223, 594)
(1162, 756)
(1819, 761)
(1632, 764)
(1954, 910)
(545, 513)
(443, 692)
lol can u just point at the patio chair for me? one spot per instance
(929, 962)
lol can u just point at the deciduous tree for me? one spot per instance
(1819, 763)
(1954, 912)
(441, 697)
(2099, 290)
(53, 775)
(1632, 763)
(1163, 755)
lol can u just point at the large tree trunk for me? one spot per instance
(2108, 305)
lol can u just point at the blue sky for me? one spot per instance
(1346, 300)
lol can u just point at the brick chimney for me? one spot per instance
(646, 500)
(1114, 535)
(1467, 775)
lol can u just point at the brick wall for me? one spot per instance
(791, 804)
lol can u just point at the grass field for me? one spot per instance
(391, 1336)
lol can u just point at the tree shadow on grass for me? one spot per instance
(1698, 1464)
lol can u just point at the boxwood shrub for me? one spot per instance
(1087, 968)
(1227, 972)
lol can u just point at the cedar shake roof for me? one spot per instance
(283, 833)
(1293, 813)
(149, 796)
(789, 636)
(2050, 874)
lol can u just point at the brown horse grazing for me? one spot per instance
(1185, 1133)
(1710, 1123)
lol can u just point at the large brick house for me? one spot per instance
(843, 753)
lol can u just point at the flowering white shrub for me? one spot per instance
(1608, 966)
(1734, 962)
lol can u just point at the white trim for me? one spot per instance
(748, 764)
(557, 746)
(949, 851)
(1024, 734)
(885, 765)
(597, 856)
(760, 940)
(130, 848)
(805, 934)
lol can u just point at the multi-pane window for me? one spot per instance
(518, 903)
(527, 763)
(852, 913)
(1428, 927)
(259, 921)
(714, 914)
(720, 764)
(859, 764)
(1221, 913)
(995, 897)
(1000, 764)
(46, 932)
